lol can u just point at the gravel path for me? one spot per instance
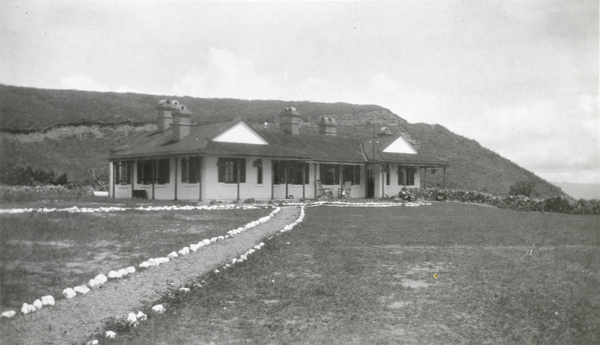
(73, 321)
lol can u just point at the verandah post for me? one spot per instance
(272, 179)
(114, 179)
(286, 178)
(175, 193)
(154, 163)
(383, 181)
(303, 179)
(341, 176)
(199, 177)
(131, 176)
(315, 182)
(237, 164)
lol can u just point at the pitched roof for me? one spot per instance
(374, 147)
(318, 148)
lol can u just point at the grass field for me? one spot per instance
(366, 276)
(44, 253)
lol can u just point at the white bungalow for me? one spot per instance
(234, 161)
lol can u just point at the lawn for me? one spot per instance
(368, 276)
(44, 253)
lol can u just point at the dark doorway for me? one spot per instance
(370, 182)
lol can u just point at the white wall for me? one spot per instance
(212, 189)
(188, 191)
(120, 191)
(394, 188)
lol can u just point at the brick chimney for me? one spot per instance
(164, 111)
(327, 126)
(289, 120)
(181, 123)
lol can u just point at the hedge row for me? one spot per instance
(556, 204)
(31, 175)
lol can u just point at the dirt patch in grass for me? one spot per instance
(72, 321)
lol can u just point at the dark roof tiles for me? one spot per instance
(319, 148)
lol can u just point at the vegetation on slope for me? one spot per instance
(473, 167)
(105, 118)
(26, 109)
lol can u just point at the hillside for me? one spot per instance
(72, 131)
(26, 109)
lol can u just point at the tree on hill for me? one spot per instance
(525, 188)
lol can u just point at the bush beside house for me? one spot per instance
(556, 204)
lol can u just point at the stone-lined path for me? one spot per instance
(73, 321)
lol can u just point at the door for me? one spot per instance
(370, 182)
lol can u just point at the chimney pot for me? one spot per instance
(327, 126)
(164, 111)
(181, 123)
(289, 120)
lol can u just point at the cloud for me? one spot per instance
(555, 137)
(407, 101)
(82, 82)
(226, 75)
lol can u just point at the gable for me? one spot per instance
(240, 133)
(400, 145)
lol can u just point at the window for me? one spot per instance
(145, 171)
(401, 176)
(123, 172)
(279, 172)
(232, 168)
(294, 172)
(406, 175)
(297, 170)
(163, 170)
(259, 171)
(190, 170)
(329, 174)
(410, 176)
(351, 173)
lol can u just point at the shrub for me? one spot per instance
(522, 188)
(36, 193)
(30, 175)
(556, 204)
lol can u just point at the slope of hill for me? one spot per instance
(473, 167)
(28, 109)
(72, 131)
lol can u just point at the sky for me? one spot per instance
(519, 77)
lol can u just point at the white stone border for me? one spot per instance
(133, 319)
(101, 279)
(371, 204)
(76, 209)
